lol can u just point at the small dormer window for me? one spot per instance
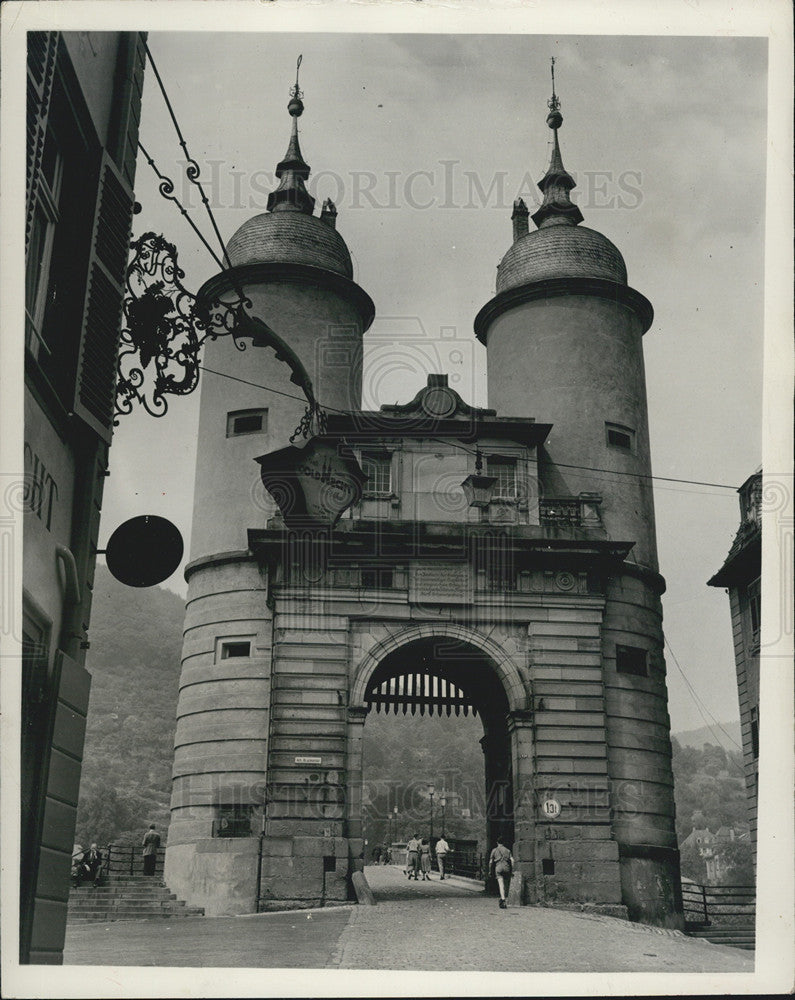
(620, 437)
(246, 422)
(504, 471)
(377, 466)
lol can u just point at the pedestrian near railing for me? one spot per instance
(126, 861)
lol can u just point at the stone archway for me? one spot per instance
(506, 659)
(503, 698)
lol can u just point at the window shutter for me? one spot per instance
(42, 52)
(95, 388)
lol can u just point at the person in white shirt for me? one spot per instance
(442, 850)
(501, 864)
(413, 857)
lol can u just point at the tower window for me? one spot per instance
(234, 648)
(548, 866)
(632, 660)
(504, 471)
(246, 422)
(620, 437)
(377, 466)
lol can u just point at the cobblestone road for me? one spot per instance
(446, 926)
(443, 926)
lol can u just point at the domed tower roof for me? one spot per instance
(558, 248)
(288, 233)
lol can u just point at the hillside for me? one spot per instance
(136, 638)
(722, 735)
(134, 661)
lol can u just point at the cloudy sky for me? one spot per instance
(424, 141)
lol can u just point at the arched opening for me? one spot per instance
(451, 680)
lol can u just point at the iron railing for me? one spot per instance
(469, 864)
(126, 861)
(717, 905)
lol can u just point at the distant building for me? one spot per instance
(740, 575)
(710, 847)
(83, 107)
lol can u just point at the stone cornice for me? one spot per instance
(262, 273)
(555, 287)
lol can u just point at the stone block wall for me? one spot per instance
(220, 755)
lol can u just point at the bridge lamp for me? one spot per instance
(478, 489)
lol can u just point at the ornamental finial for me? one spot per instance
(556, 208)
(291, 194)
(296, 105)
(554, 118)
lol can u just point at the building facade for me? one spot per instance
(538, 605)
(740, 575)
(83, 108)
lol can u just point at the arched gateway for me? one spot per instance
(494, 561)
(446, 667)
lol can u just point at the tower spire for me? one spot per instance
(291, 194)
(557, 208)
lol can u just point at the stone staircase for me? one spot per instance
(137, 897)
(738, 936)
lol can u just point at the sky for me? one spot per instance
(423, 142)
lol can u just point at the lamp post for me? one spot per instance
(443, 801)
(431, 791)
(395, 815)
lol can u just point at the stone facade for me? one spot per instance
(540, 607)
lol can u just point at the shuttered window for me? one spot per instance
(42, 51)
(96, 373)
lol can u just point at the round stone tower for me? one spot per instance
(295, 270)
(564, 345)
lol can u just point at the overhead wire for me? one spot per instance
(471, 451)
(701, 706)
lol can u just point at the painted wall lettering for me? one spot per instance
(41, 490)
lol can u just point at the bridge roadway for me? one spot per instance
(440, 926)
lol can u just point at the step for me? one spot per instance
(105, 892)
(110, 918)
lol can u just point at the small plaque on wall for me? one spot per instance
(309, 760)
(440, 583)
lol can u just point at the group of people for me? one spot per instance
(87, 865)
(418, 857)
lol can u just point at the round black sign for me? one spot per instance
(144, 551)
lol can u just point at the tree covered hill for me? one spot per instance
(134, 660)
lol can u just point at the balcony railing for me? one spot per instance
(579, 511)
(566, 511)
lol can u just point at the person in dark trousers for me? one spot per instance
(89, 865)
(425, 860)
(501, 864)
(151, 844)
(413, 857)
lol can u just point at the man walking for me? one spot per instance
(442, 850)
(413, 858)
(151, 843)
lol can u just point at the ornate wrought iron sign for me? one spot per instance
(164, 327)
